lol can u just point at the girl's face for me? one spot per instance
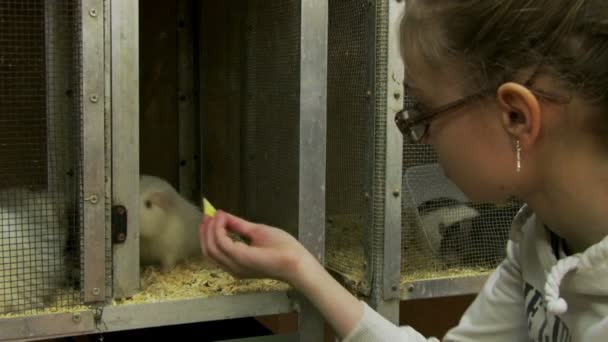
(472, 145)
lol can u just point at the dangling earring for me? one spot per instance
(518, 153)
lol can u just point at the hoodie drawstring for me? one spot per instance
(555, 304)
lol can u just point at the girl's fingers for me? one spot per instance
(238, 252)
(202, 228)
(217, 254)
(214, 232)
(238, 225)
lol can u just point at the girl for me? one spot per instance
(521, 109)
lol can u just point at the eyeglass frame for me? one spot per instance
(406, 124)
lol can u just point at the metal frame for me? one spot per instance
(388, 303)
(93, 103)
(124, 77)
(442, 287)
(386, 229)
(136, 316)
(312, 145)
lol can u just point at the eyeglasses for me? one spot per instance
(413, 122)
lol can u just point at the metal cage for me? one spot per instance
(364, 152)
(75, 138)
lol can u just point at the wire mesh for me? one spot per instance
(271, 113)
(39, 148)
(222, 56)
(349, 132)
(444, 234)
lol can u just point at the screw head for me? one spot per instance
(94, 98)
(121, 237)
(411, 288)
(93, 12)
(76, 317)
(96, 291)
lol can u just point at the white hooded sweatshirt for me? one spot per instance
(537, 293)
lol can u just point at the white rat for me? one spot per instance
(33, 237)
(168, 225)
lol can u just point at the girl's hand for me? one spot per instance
(271, 253)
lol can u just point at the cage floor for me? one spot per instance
(344, 250)
(195, 279)
(63, 302)
(345, 257)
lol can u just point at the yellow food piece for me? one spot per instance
(208, 208)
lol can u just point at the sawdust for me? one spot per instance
(345, 250)
(190, 280)
(195, 279)
(66, 300)
(345, 256)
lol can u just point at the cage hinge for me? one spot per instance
(119, 224)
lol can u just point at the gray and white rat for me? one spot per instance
(33, 237)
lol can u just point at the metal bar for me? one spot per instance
(312, 145)
(125, 141)
(386, 219)
(366, 283)
(442, 287)
(108, 141)
(92, 15)
(46, 326)
(394, 162)
(386, 228)
(146, 315)
(185, 108)
(136, 316)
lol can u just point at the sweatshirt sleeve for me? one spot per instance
(496, 315)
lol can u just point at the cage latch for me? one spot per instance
(119, 224)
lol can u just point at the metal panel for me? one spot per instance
(393, 171)
(385, 190)
(312, 144)
(442, 287)
(93, 94)
(188, 160)
(136, 316)
(125, 140)
(48, 325)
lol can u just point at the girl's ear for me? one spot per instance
(521, 113)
